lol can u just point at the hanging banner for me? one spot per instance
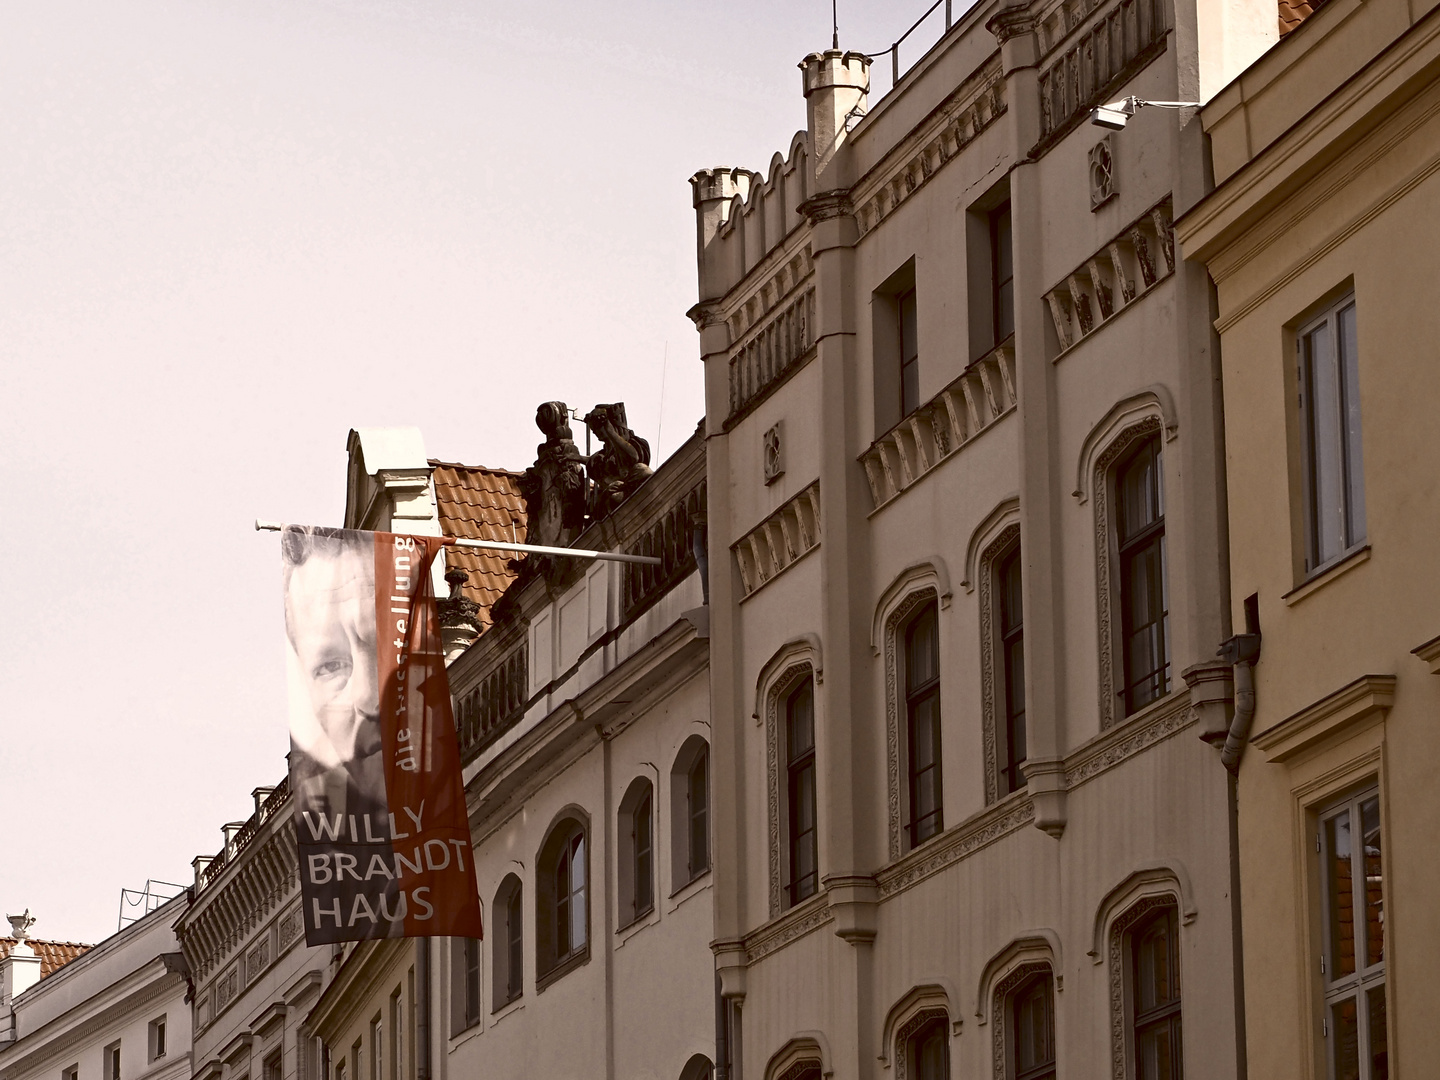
(384, 839)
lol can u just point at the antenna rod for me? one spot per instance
(500, 545)
(834, 25)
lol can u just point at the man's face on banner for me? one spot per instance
(331, 608)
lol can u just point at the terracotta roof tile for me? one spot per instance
(480, 504)
(53, 954)
(1294, 12)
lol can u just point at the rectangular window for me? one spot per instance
(271, 1069)
(929, 1052)
(1330, 427)
(1033, 1012)
(800, 802)
(909, 355)
(112, 1062)
(72, 1073)
(644, 880)
(471, 958)
(357, 1057)
(1353, 960)
(397, 1039)
(1002, 275)
(157, 1038)
(1012, 647)
(922, 710)
(698, 806)
(1144, 600)
(377, 1049)
(1155, 979)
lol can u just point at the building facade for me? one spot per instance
(968, 564)
(114, 1011)
(1325, 153)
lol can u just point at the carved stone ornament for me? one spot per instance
(1102, 173)
(774, 455)
(457, 610)
(555, 488)
(827, 206)
(620, 465)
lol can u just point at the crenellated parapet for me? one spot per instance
(742, 216)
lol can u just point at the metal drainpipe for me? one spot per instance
(1241, 651)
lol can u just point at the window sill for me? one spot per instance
(505, 1008)
(563, 968)
(688, 889)
(635, 925)
(1327, 573)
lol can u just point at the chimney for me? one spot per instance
(836, 84)
(198, 864)
(21, 969)
(1228, 39)
(260, 794)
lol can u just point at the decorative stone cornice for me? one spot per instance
(1430, 654)
(827, 206)
(1010, 22)
(1352, 708)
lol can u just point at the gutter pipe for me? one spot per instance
(1241, 652)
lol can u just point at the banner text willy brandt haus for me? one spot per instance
(380, 816)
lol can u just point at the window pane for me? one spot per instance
(1159, 1053)
(1379, 1052)
(1374, 900)
(1354, 463)
(1156, 983)
(1322, 406)
(922, 650)
(929, 1060)
(1035, 1040)
(1003, 270)
(1344, 1040)
(1340, 895)
(643, 898)
(800, 717)
(909, 356)
(699, 829)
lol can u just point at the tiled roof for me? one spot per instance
(1294, 12)
(480, 504)
(53, 954)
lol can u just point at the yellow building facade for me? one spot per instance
(1320, 239)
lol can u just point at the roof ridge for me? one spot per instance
(475, 468)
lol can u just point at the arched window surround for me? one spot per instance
(782, 674)
(923, 1004)
(1030, 954)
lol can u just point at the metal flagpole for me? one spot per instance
(500, 545)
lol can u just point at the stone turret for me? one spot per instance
(836, 87)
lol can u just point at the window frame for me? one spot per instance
(156, 1038)
(1131, 549)
(918, 694)
(111, 1061)
(1041, 984)
(936, 1025)
(635, 852)
(796, 766)
(1168, 1015)
(1001, 287)
(907, 319)
(1010, 776)
(1363, 983)
(698, 839)
(560, 847)
(1348, 437)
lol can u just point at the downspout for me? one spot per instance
(1240, 651)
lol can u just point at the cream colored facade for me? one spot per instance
(845, 505)
(1325, 154)
(584, 703)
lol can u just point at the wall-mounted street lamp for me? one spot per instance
(1115, 114)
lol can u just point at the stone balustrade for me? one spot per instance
(780, 540)
(983, 393)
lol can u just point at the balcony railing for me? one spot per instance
(231, 851)
(493, 706)
(673, 538)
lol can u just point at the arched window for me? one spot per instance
(922, 732)
(1155, 1005)
(507, 950)
(1144, 595)
(562, 901)
(800, 818)
(697, 1068)
(927, 1051)
(636, 834)
(690, 813)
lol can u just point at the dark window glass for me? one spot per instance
(1012, 647)
(909, 355)
(698, 786)
(1033, 1012)
(515, 927)
(800, 771)
(570, 908)
(1352, 871)
(1330, 421)
(1154, 948)
(472, 984)
(1002, 271)
(929, 1052)
(640, 836)
(1144, 600)
(922, 707)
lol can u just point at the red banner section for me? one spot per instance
(384, 839)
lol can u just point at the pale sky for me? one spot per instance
(231, 230)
